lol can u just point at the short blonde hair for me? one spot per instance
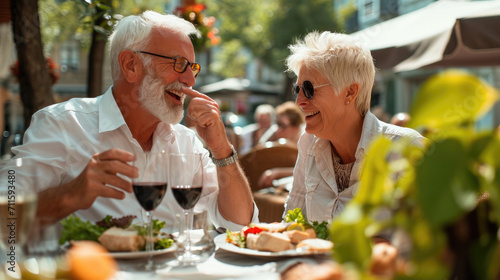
(340, 58)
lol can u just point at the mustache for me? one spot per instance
(175, 86)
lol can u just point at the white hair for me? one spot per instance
(133, 33)
(264, 109)
(340, 58)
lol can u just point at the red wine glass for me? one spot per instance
(186, 183)
(149, 189)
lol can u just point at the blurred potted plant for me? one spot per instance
(207, 36)
(51, 65)
(444, 196)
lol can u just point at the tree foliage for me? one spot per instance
(64, 22)
(73, 19)
(267, 27)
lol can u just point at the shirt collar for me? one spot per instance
(110, 117)
(371, 128)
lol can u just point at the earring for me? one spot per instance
(347, 102)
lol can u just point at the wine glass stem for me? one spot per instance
(189, 225)
(149, 241)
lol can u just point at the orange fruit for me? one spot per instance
(89, 260)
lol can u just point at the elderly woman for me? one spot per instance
(335, 75)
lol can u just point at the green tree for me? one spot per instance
(34, 79)
(294, 19)
(267, 27)
(89, 22)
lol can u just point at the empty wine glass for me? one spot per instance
(149, 189)
(18, 200)
(186, 182)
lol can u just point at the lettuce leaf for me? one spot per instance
(76, 229)
(296, 216)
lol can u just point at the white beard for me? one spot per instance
(152, 96)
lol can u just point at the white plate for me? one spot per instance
(134, 255)
(220, 241)
(142, 254)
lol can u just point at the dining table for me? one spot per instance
(223, 262)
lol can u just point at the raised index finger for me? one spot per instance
(193, 93)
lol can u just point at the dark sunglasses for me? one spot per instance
(307, 88)
(282, 125)
(180, 63)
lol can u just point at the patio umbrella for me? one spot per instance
(442, 34)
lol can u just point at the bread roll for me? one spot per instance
(296, 235)
(383, 259)
(120, 240)
(316, 245)
(272, 242)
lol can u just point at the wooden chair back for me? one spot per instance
(270, 155)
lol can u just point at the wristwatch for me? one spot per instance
(226, 161)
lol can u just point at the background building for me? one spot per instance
(396, 85)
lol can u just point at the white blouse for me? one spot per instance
(314, 185)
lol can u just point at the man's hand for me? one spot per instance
(235, 201)
(205, 112)
(101, 171)
(95, 180)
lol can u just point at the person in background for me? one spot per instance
(335, 76)
(261, 130)
(290, 121)
(400, 119)
(380, 113)
(82, 148)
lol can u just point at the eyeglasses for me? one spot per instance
(308, 89)
(180, 63)
(282, 125)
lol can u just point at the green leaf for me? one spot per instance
(451, 98)
(163, 243)
(103, 6)
(429, 269)
(445, 186)
(484, 258)
(296, 216)
(374, 181)
(321, 229)
(76, 229)
(348, 235)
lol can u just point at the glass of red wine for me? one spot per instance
(149, 189)
(186, 182)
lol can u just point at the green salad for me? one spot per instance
(76, 229)
(296, 216)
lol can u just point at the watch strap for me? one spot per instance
(226, 161)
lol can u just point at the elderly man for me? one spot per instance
(80, 151)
